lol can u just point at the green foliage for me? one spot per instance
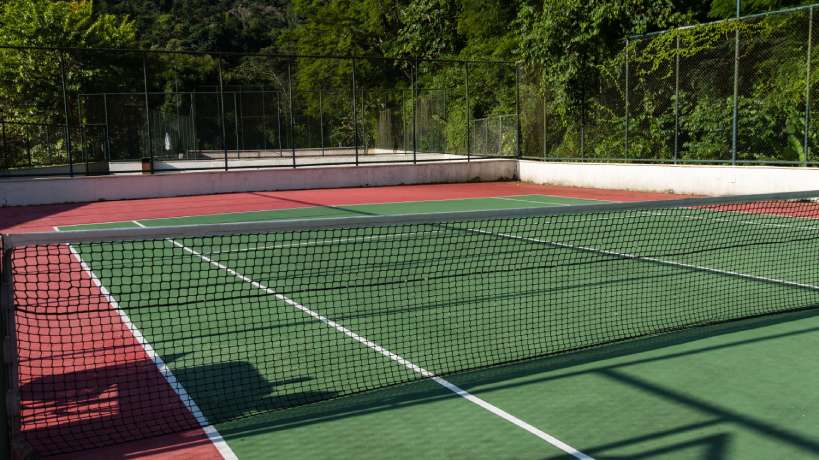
(721, 9)
(427, 29)
(62, 23)
(33, 76)
(573, 59)
(227, 25)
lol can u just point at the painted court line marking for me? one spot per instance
(393, 356)
(530, 201)
(672, 263)
(320, 242)
(742, 222)
(655, 213)
(258, 211)
(210, 431)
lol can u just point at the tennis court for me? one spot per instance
(460, 328)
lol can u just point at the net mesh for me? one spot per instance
(120, 340)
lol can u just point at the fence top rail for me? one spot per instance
(291, 57)
(28, 123)
(720, 21)
(248, 92)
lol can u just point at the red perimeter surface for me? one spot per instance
(93, 382)
(44, 218)
(774, 208)
(76, 395)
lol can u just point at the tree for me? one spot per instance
(32, 76)
(722, 9)
(570, 39)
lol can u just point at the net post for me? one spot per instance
(147, 110)
(806, 147)
(222, 109)
(67, 128)
(8, 396)
(677, 100)
(468, 114)
(355, 112)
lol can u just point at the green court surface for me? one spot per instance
(740, 390)
(324, 212)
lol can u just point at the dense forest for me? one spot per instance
(569, 59)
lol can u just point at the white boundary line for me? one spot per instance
(328, 241)
(351, 204)
(394, 357)
(530, 201)
(210, 431)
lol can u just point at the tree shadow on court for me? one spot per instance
(12, 216)
(433, 304)
(709, 447)
(106, 405)
(541, 370)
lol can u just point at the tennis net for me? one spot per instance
(116, 335)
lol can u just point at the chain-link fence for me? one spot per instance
(734, 92)
(86, 111)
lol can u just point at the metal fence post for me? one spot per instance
(677, 101)
(193, 121)
(517, 111)
(544, 124)
(222, 110)
(355, 114)
(414, 110)
(446, 121)
(279, 123)
(628, 100)
(806, 148)
(583, 121)
(83, 146)
(736, 95)
(28, 145)
(5, 161)
(500, 135)
(236, 124)
(147, 110)
(65, 114)
(321, 120)
(290, 109)
(468, 114)
(107, 128)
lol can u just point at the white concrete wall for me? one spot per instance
(31, 191)
(696, 180)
